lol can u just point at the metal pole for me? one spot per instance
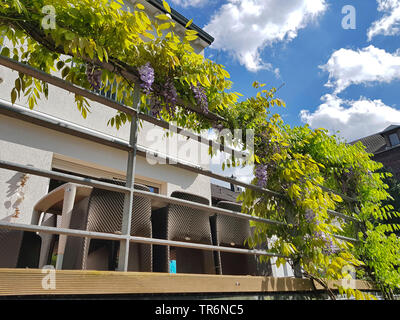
(134, 239)
(130, 183)
(122, 189)
(291, 219)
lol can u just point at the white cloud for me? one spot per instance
(245, 27)
(189, 3)
(244, 174)
(354, 119)
(389, 24)
(365, 66)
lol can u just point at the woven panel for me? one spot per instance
(106, 210)
(238, 264)
(232, 232)
(10, 243)
(190, 197)
(188, 224)
(231, 229)
(29, 252)
(160, 253)
(105, 213)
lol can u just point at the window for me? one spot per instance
(56, 183)
(69, 165)
(394, 139)
(153, 189)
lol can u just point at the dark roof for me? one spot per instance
(376, 142)
(222, 193)
(183, 21)
(373, 143)
(392, 127)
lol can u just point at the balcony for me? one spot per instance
(117, 237)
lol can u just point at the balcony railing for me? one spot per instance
(124, 237)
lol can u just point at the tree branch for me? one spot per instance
(113, 65)
(321, 282)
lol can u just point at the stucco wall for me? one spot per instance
(29, 144)
(39, 138)
(35, 187)
(61, 104)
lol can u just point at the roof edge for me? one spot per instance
(183, 21)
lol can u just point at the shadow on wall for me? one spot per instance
(12, 201)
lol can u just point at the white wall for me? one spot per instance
(20, 132)
(32, 144)
(35, 187)
(60, 104)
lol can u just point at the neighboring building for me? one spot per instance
(385, 147)
(220, 193)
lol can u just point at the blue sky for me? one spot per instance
(340, 79)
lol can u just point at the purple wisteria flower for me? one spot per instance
(329, 246)
(155, 106)
(146, 73)
(217, 126)
(261, 175)
(170, 95)
(93, 75)
(165, 95)
(200, 96)
(310, 215)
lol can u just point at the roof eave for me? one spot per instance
(183, 21)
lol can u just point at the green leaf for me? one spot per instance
(166, 6)
(60, 65)
(163, 17)
(18, 84)
(13, 95)
(31, 102)
(191, 37)
(164, 26)
(70, 36)
(105, 54)
(189, 23)
(115, 5)
(65, 71)
(5, 52)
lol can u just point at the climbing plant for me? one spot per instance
(111, 45)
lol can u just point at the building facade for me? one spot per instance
(25, 143)
(385, 147)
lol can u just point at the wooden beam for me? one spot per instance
(77, 282)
